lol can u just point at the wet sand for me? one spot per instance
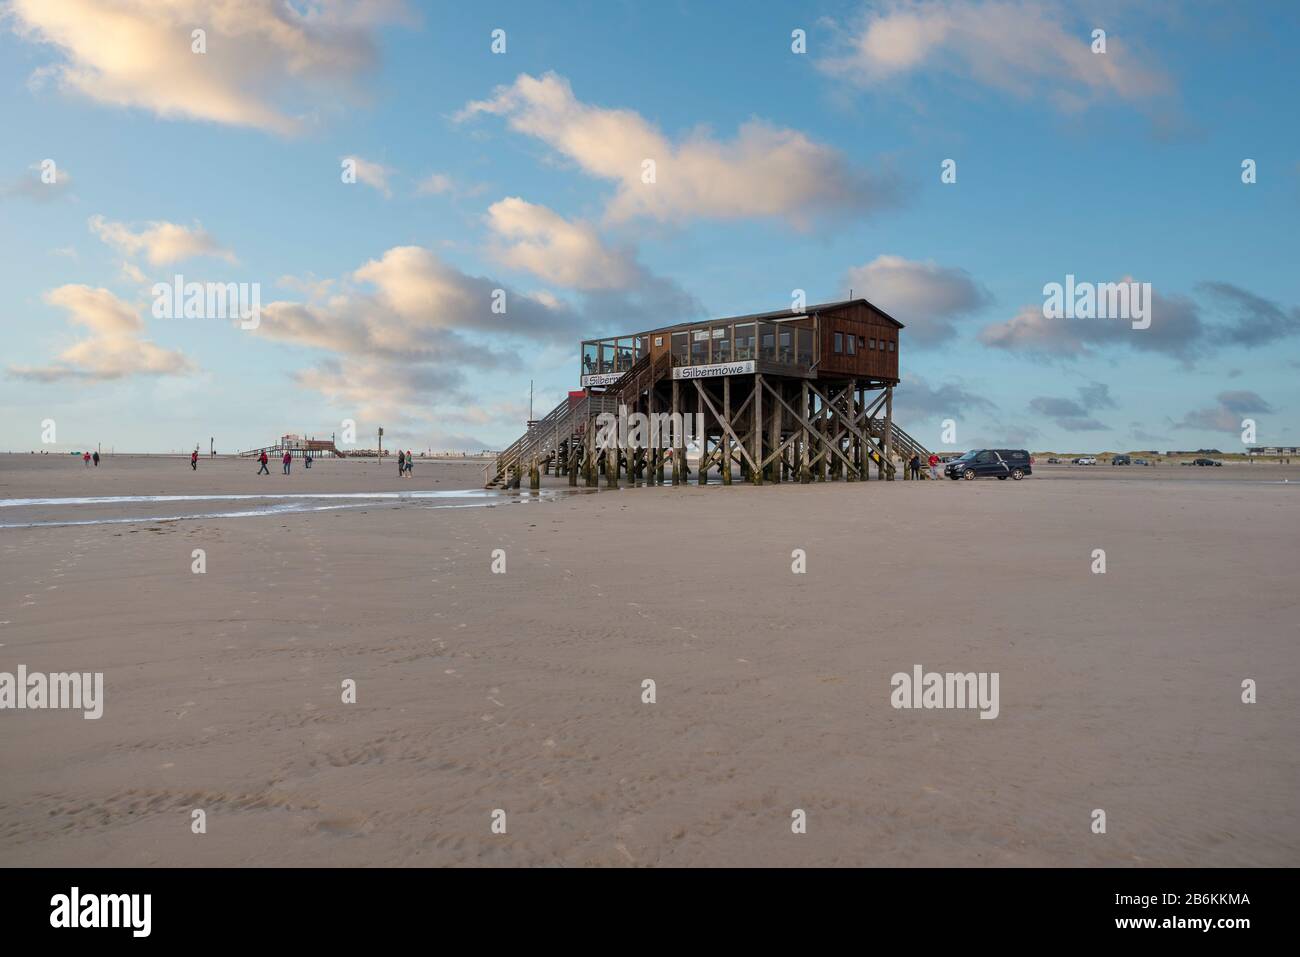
(523, 691)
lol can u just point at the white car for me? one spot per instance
(1086, 460)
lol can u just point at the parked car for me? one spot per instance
(1053, 461)
(1084, 460)
(1204, 462)
(999, 463)
(1121, 460)
(1141, 462)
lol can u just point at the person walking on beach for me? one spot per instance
(401, 464)
(263, 459)
(934, 466)
(85, 459)
(306, 460)
(410, 464)
(194, 460)
(287, 460)
(95, 458)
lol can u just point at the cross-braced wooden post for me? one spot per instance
(724, 428)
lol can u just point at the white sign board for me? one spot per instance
(717, 369)
(602, 378)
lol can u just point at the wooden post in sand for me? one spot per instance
(725, 438)
(653, 470)
(889, 432)
(805, 474)
(776, 440)
(675, 418)
(703, 440)
(589, 456)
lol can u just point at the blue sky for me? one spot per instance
(522, 170)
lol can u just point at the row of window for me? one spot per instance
(770, 342)
(612, 355)
(848, 344)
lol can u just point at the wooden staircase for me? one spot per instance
(568, 422)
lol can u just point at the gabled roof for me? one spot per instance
(780, 314)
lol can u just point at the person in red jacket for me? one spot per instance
(287, 460)
(194, 460)
(934, 466)
(263, 459)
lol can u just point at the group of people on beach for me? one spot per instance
(286, 462)
(405, 464)
(914, 466)
(88, 457)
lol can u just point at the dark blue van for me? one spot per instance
(999, 463)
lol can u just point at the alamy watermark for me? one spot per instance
(639, 430)
(179, 299)
(130, 911)
(932, 689)
(81, 691)
(1106, 300)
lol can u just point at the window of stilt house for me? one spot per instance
(681, 346)
(805, 340)
(721, 344)
(745, 333)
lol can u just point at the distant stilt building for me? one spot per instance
(298, 445)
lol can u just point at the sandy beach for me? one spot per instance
(523, 691)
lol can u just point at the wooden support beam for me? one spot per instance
(829, 447)
(805, 475)
(676, 413)
(889, 429)
(725, 438)
(725, 422)
(775, 470)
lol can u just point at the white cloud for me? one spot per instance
(567, 253)
(161, 242)
(264, 58)
(924, 296)
(435, 184)
(406, 304)
(402, 331)
(1176, 330)
(764, 171)
(32, 186)
(1020, 48)
(1226, 414)
(115, 347)
(374, 175)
